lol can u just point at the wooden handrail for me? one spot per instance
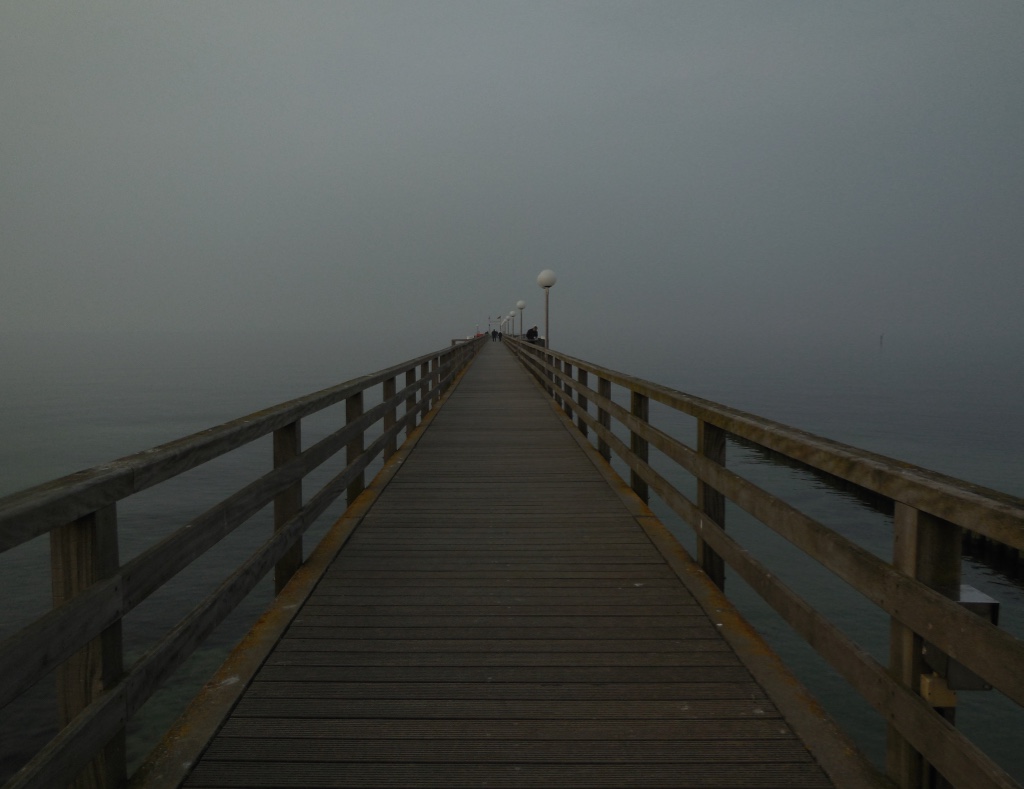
(992, 513)
(36, 510)
(916, 598)
(94, 717)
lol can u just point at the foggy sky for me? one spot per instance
(712, 171)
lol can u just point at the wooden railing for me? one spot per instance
(918, 589)
(80, 638)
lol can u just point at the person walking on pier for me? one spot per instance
(494, 335)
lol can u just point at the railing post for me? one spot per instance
(410, 401)
(287, 445)
(354, 410)
(581, 400)
(390, 417)
(567, 389)
(604, 418)
(446, 362)
(639, 408)
(711, 444)
(424, 388)
(81, 553)
(435, 378)
(926, 548)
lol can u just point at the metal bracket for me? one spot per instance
(956, 675)
(936, 691)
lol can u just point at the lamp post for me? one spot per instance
(522, 326)
(512, 321)
(546, 279)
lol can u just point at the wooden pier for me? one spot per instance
(498, 607)
(501, 617)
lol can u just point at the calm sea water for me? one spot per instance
(67, 404)
(960, 413)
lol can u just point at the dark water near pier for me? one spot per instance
(958, 413)
(70, 404)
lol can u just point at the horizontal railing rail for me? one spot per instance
(80, 637)
(918, 589)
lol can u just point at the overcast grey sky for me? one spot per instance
(405, 169)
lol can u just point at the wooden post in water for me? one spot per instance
(640, 408)
(711, 444)
(287, 503)
(81, 553)
(581, 400)
(604, 388)
(354, 410)
(926, 548)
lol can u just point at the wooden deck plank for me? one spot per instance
(520, 658)
(573, 598)
(328, 617)
(509, 729)
(503, 674)
(212, 773)
(500, 618)
(516, 691)
(427, 645)
(441, 750)
(568, 710)
(493, 606)
(352, 584)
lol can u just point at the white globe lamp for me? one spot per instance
(546, 279)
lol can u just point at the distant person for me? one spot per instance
(531, 335)
(499, 336)
(494, 335)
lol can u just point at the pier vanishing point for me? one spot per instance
(498, 607)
